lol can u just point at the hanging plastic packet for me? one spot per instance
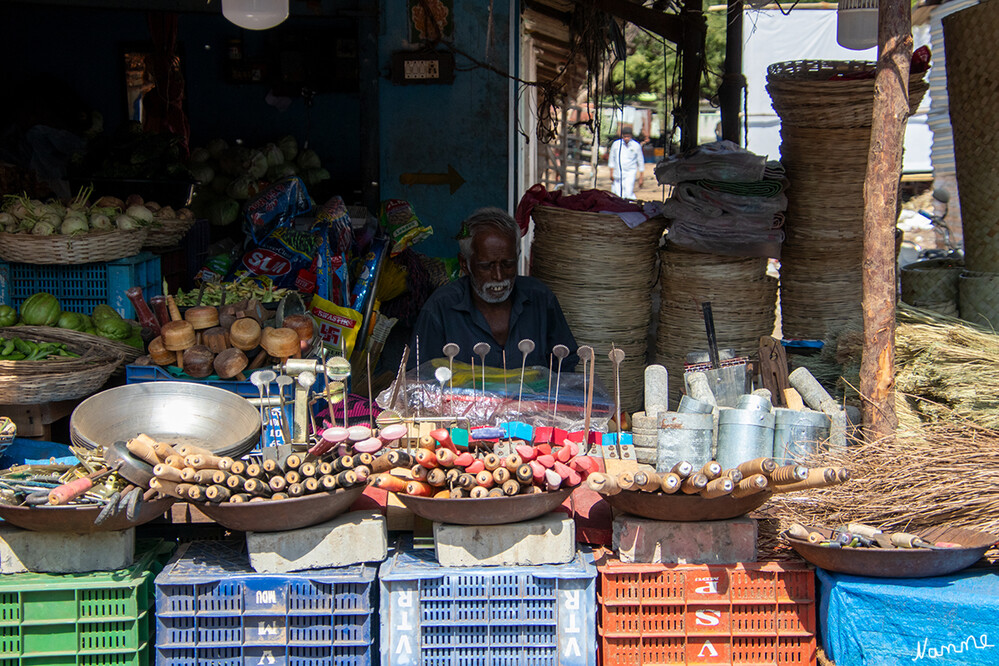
(275, 207)
(338, 326)
(286, 256)
(366, 277)
(333, 227)
(399, 221)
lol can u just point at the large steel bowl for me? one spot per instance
(900, 562)
(79, 519)
(174, 412)
(282, 515)
(485, 510)
(685, 508)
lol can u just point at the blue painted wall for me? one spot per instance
(425, 128)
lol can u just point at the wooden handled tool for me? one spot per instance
(68, 492)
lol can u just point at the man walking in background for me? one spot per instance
(626, 163)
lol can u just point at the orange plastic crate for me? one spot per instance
(752, 613)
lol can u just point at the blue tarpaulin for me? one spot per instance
(941, 620)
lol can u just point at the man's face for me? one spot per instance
(492, 266)
(626, 137)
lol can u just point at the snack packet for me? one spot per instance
(338, 326)
(286, 256)
(275, 207)
(399, 221)
(332, 225)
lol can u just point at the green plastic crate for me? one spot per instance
(94, 619)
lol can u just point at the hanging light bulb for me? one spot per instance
(857, 24)
(255, 14)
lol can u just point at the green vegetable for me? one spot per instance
(135, 339)
(103, 313)
(115, 330)
(288, 146)
(74, 224)
(8, 315)
(71, 321)
(222, 212)
(308, 159)
(41, 309)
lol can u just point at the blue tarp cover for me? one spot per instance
(944, 620)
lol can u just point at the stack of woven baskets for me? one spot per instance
(742, 296)
(602, 272)
(973, 91)
(826, 115)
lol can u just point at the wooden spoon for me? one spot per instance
(215, 339)
(178, 336)
(198, 361)
(231, 363)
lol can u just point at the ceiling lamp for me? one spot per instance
(857, 24)
(255, 14)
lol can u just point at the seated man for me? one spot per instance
(491, 303)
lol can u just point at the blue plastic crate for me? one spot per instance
(82, 287)
(487, 616)
(211, 607)
(136, 374)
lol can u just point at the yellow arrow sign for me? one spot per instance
(451, 178)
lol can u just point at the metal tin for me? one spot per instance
(684, 437)
(797, 434)
(757, 402)
(744, 434)
(690, 405)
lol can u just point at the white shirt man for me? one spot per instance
(626, 163)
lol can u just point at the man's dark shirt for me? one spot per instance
(450, 315)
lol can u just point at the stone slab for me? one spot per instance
(549, 539)
(63, 552)
(351, 538)
(656, 390)
(643, 541)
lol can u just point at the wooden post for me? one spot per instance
(884, 167)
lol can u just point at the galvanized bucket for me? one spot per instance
(797, 434)
(690, 405)
(684, 437)
(744, 434)
(754, 402)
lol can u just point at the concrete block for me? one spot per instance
(644, 541)
(64, 552)
(351, 538)
(550, 539)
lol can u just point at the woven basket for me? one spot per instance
(602, 272)
(34, 382)
(803, 94)
(167, 233)
(81, 249)
(973, 90)
(932, 284)
(978, 301)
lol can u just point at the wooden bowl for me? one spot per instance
(280, 342)
(244, 334)
(177, 335)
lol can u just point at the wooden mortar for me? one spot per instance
(159, 353)
(198, 361)
(245, 334)
(178, 336)
(231, 363)
(215, 339)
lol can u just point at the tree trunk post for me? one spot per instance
(884, 167)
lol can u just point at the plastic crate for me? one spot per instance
(750, 613)
(211, 607)
(136, 374)
(82, 287)
(486, 616)
(80, 619)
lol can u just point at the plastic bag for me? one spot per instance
(338, 326)
(276, 207)
(399, 220)
(502, 400)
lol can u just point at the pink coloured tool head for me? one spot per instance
(391, 433)
(358, 433)
(369, 445)
(335, 435)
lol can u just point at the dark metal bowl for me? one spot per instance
(485, 510)
(685, 508)
(900, 562)
(282, 515)
(79, 519)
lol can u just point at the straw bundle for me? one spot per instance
(602, 273)
(944, 474)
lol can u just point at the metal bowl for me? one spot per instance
(900, 562)
(485, 510)
(79, 519)
(685, 508)
(282, 515)
(175, 412)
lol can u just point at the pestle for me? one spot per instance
(159, 353)
(202, 317)
(198, 361)
(244, 334)
(816, 397)
(231, 363)
(303, 325)
(215, 339)
(178, 336)
(280, 343)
